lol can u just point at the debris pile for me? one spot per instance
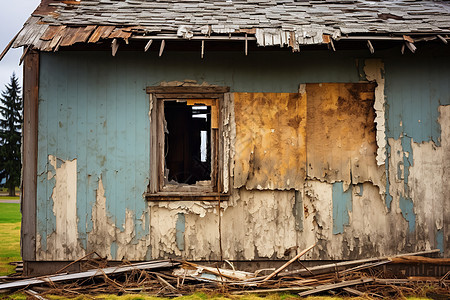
(169, 278)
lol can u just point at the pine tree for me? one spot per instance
(10, 135)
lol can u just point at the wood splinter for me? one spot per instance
(114, 47)
(203, 49)
(411, 46)
(442, 39)
(246, 45)
(161, 49)
(369, 44)
(148, 45)
(332, 44)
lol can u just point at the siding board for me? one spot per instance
(107, 130)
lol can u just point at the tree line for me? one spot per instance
(10, 135)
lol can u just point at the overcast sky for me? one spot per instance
(13, 14)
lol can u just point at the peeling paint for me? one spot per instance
(63, 242)
(107, 239)
(180, 227)
(400, 207)
(374, 71)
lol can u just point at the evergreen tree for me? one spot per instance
(10, 135)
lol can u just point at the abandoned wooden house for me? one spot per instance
(232, 129)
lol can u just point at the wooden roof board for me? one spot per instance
(116, 19)
(102, 32)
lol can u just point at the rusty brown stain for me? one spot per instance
(341, 134)
(270, 140)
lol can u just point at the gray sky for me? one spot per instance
(13, 14)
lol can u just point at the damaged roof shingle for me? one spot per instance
(307, 20)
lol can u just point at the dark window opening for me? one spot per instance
(187, 146)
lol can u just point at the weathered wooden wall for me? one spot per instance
(93, 159)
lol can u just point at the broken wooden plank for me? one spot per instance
(230, 274)
(7, 47)
(289, 262)
(341, 265)
(102, 32)
(419, 260)
(327, 287)
(88, 274)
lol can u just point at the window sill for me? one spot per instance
(186, 197)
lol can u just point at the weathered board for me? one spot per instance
(340, 131)
(270, 140)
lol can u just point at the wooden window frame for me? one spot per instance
(158, 189)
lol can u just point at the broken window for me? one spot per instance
(185, 147)
(187, 142)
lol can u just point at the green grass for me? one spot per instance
(10, 213)
(9, 236)
(9, 198)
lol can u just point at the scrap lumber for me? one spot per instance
(87, 274)
(327, 287)
(408, 259)
(268, 291)
(289, 262)
(341, 265)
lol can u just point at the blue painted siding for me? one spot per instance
(415, 87)
(93, 108)
(342, 205)
(180, 227)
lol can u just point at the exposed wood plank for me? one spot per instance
(187, 89)
(29, 168)
(328, 287)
